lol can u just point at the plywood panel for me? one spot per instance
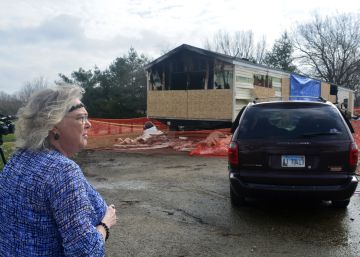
(325, 90)
(351, 103)
(285, 87)
(210, 104)
(262, 92)
(332, 98)
(167, 104)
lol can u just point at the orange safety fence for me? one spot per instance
(120, 126)
(356, 135)
(127, 135)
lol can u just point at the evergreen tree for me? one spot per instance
(280, 56)
(117, 92)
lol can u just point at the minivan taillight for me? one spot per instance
(233, 153)
(353, 154)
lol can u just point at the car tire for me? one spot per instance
(340, 203)
(236, 199)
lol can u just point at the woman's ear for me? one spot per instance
(54, 133)
(54, 130)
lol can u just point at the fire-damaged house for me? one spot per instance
(197, 88)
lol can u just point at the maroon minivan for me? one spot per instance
(288, 148)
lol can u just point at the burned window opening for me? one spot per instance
(263, 80)
(223, 75)
(188, 72)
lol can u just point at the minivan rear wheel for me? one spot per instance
(340, 203)
(236, 199)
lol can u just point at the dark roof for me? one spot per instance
(182, 47)
(222, 57)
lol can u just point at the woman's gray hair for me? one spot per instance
(45, 109)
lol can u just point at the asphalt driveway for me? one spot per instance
(175, 205)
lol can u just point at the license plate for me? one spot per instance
(293, 161)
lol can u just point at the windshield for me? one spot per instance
(292, 121)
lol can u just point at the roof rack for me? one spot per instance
(266, 99)
(289, 98)
(311, 98)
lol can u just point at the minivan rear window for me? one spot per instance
(292, 121)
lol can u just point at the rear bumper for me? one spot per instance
(323, 192)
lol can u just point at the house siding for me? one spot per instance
(206, 98)
(245, 90)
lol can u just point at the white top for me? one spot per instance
(150, 132)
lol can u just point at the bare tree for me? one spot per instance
(241, 44)
(9, 104)
(260, 50)
(30, 87)
(329, 48)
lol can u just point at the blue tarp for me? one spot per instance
(304, 87)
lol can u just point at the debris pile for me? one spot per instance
(215, 144)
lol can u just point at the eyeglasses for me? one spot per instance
(83, 118)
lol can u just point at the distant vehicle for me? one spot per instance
(288, 148)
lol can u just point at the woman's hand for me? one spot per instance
(109, 220)
(110, 216)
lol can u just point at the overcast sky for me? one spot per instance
(41, 38)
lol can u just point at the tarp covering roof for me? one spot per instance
(304, 87)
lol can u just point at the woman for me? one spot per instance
(48, 208)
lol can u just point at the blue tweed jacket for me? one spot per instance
(48, 208)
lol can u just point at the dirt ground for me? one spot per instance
(171, 204)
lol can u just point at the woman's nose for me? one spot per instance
(87, 124)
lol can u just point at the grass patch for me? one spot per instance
(9, 138)
(8, 147)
